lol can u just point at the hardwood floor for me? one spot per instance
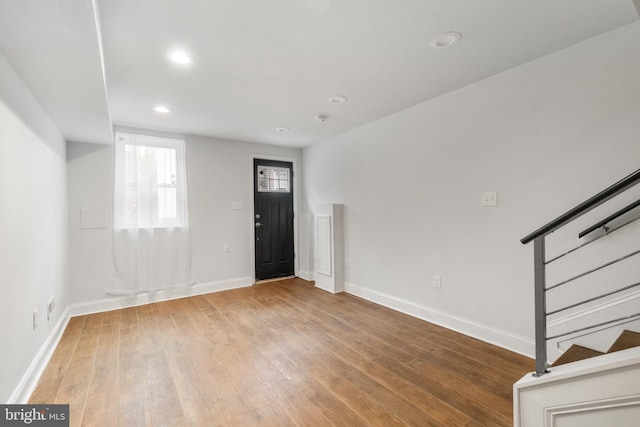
(276, 354)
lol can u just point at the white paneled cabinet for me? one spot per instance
(329, 247)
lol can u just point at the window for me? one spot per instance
(273, 179)
(150, 182)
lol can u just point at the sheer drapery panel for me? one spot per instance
(150, 240)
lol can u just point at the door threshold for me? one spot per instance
(275, 279)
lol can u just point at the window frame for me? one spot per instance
(148, 213)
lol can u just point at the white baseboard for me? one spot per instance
(306, 275)
(31, 377)
(116, 303)
(474, 329)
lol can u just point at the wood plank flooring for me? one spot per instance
(276, 354)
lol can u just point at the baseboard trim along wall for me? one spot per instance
(116, 303)
(477, 330)
(30, 379)
(306, 275)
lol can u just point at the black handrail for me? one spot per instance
(610, 218)
(586, 206)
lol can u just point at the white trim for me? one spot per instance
(306, 275)
(97, 18)
(296, 191)
(612, 303)
(552, 413)
(610, 376)
(116, 303)
(30, 379)
(469, 327)
(150, 132)
(595, 365)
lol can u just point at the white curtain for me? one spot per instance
(150, 240)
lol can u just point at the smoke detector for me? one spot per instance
(445, 40)
(339, 99)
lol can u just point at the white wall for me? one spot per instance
(33, 227)
(545, 136)
(90, 186)
(218, 172)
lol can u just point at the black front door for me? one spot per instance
(273, 217)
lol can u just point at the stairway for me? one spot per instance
(627, 339)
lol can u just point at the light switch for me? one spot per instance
(437, 281)
(490, 198)
(237, 206)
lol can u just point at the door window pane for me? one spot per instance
(273, 179)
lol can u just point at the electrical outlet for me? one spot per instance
(227, 248)
(51, 305)
(489, 198)
(437, 281)
(35, 318)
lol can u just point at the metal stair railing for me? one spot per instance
(540, 262)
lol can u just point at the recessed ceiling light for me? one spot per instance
(337, 99)
(161, 109)
(179, 57)
(445, 40)
(282, 130)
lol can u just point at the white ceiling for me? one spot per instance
(260, 64)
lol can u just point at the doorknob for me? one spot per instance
(258, 225)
